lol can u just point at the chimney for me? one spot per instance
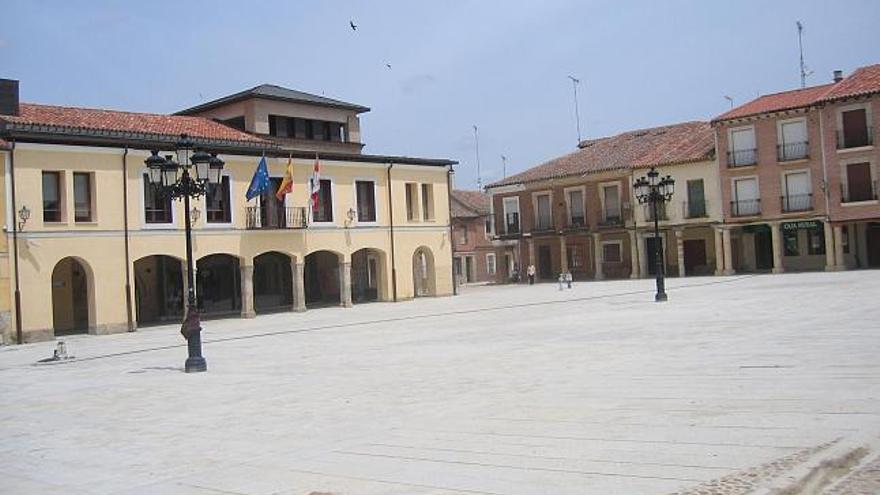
(8, 97)
(838, 76)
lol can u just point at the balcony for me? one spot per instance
(576, 223)
(742, 158)
(694, 209)
(865, 137)
(661, 212)
(511, 225)
(611, 217)
(745, 207)
(859, 191)
(792, 151)
(264, 218)
(796, 202)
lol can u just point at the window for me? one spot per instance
(797, 195)
(611, 195)
(745, 197)
(489, 226)
(815, 241)
(576, 213)
(742, 147)
(366, 200)
(575, 254)
(696, 199)
(859, 186)
(157, 208)
(235, 123)
(463, 235)
(611, 252)
(790, 242)
(855, 129)
(82, 197)
(490, 264)
(52, 196)
(412, 205)
(428, 201)
(543, 213)
(324, 210)
(217, 202)
(792, 140)
(299, 129)
(511, 215)
(336, 133)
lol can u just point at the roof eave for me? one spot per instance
(358, 109)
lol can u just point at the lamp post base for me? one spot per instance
(195, 364)
(660, 297)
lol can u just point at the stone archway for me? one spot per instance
(424, 279)
(368, 276)
(218, 285)
(273, 282)
(73, 308)
(322, 278)
(158, 289)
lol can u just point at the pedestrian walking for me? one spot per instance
(568, 278)
(531, 273)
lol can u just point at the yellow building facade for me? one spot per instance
(100, 256)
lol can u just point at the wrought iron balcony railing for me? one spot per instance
(742, 158)
(511, 224)
(855, 139)
(792, 151)
(858, 192)
(263, 217)
(796, 202)
(612, 216)
(745, 207)
(694, 209)
(661, 212)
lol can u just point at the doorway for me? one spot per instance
(695, 257)
(545, 263)
(218, 285)
(158, 290)
(763, 248)
(70, 298)
(651, 244)
(873, 241)
(273, 283)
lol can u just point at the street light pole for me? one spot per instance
(164, 179)
(655, 191)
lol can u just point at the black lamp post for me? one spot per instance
(655, 190)
(174, 179)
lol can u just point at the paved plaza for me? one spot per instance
(743, 384)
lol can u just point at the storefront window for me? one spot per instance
(790, 241)
(816, 241)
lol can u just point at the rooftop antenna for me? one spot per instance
(574, 82)
(504, 166)
(477, 148)
(805, 71)
(729, 100)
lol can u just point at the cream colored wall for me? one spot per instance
(100, 244)
(708, 171)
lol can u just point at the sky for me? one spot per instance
(500, 65)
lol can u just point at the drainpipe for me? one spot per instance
(825, 187)
(391, 223)
(131, 327)
(18, 333)
(449, 214)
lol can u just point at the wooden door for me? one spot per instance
(694, 256)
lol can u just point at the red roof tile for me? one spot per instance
(112, 120)
(864, 81)
(469, 203)
(787, 100)
(667, 145)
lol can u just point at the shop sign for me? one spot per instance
(802, 225)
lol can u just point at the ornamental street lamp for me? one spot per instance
(173, 179)
(655, 191)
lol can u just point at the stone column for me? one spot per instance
(728, 251)
(634, 254)
(719, 253)
(642, 249)
(563, 255)
(299, 290)
(247, 291)
(830, 248)
(839, 262)
(531, 244)
(679, 245)
(345, 285)
(597, 256)
(776, 237)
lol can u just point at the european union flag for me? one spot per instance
(260, 181)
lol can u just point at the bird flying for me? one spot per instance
(353, 25)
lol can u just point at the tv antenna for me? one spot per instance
(504, 166)
(577, 116)
(477, 152)
(805, 71)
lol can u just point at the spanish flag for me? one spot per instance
(287, 182)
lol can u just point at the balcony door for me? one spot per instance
(797, 192)
(745, 197)
(272, 208)
(543, 220)
(858, 182)
(855, 128)
(696, 205)
(611, 195)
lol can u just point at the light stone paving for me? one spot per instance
(513, 390)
